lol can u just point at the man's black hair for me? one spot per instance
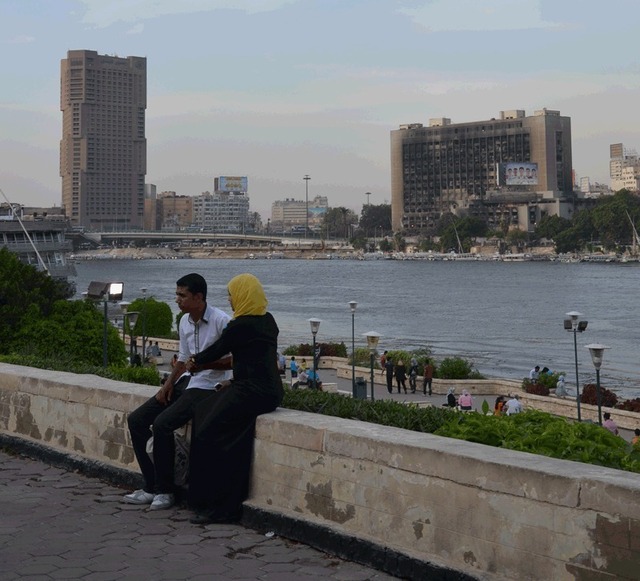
(195, 283)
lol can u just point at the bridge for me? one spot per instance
(156, 237)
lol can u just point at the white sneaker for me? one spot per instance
(162, 501)
(138, 497)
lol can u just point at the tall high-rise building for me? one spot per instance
(465, 167)
(103, 148)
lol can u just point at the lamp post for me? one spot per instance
(597, 352)
(124, 306)
(143, 290)
(573, 323)
(133, 317)
(315, 325)
(306, 193)
(105, 291)
(372, 343)
(352, 306)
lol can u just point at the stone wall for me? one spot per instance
(485, 512)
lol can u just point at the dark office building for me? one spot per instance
(483, 168)
(103, 148)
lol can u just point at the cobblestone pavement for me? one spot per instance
(56, 524)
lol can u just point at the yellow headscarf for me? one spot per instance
(247, 296)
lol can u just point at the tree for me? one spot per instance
(463, 229)
(337, 221)
(550, 226)
(610, 218)
(375, 218)
(155, 318)
(73, 331)
(22, 286)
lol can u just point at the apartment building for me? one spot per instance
(624, 168)
(103, 146)
(224, 212)
(482, 168)
(290, 213)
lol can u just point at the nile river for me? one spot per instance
(505, 317)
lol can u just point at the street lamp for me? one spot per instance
(306, 191)
(574, 324)
(133, 317)
(124, 306)
(372, 343)
(143, 290)
(352, 306)
(315, 325)
(105, 291)
(597, 352)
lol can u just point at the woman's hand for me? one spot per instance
(191, 365)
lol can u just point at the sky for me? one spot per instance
(279, 89)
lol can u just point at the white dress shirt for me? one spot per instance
(196, 337)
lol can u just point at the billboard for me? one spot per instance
(232, 184)
(518, 173)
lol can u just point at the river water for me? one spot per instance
(505, 317)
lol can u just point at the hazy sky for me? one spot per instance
(276, 89)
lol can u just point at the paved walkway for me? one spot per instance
(56, 524)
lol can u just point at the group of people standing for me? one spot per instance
(225, 375)
(400, 372)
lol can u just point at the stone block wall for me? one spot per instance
(491, 513)
(485, 512)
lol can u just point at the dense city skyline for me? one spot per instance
(278, 89)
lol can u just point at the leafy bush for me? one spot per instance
(608, 399)
(630, 405)
(421, 355)
(542, 433)
(363, 358)
(385, 412)
(326, 349)
(530, 431)
(457, 368)
(23, 290)
(535, 387)
(72, 331)
(143, 375)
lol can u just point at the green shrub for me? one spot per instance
(541, 433)
(363, 358)
(534, 387)
(326, 349)
(385, 412)
(457, 368)
(143, 375)
(530, 431)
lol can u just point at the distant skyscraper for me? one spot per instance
(103, 148)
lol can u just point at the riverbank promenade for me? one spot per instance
(56, 524)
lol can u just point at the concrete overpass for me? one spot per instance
(139, 238)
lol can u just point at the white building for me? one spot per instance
(289, 213)
(221, 212)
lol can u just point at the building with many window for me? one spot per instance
(103, 147)
(224, 212)
(174, 212)
(624, 168)
(291, 214)
(498, 170)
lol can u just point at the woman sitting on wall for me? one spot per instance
(222, 445)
